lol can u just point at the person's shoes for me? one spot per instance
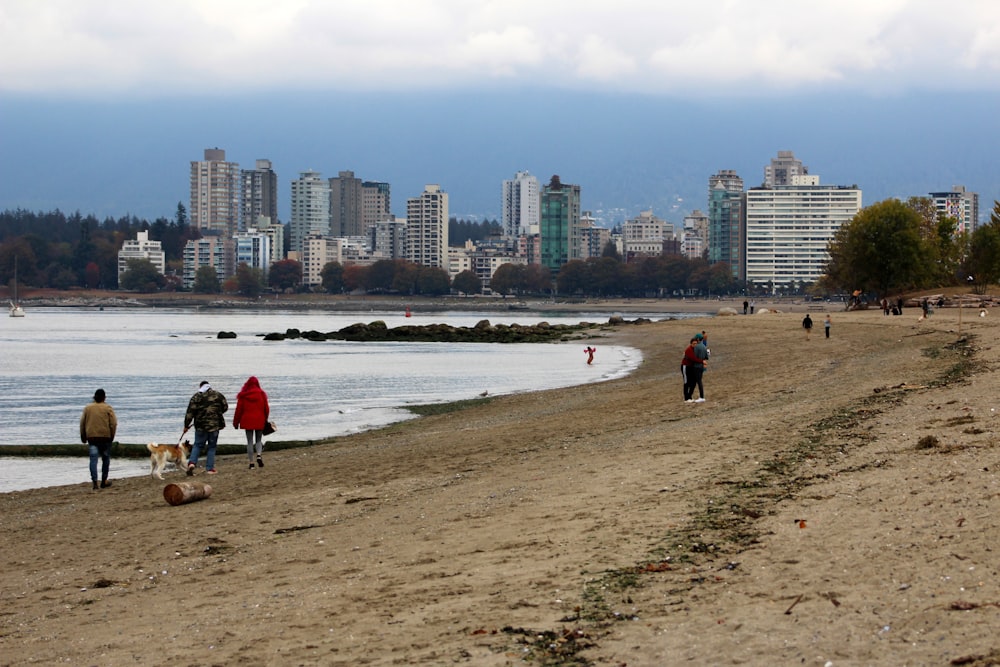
(105, 484)
(699, 400)
(95, 486)
(260, 462)
(190, 469)
(212, 471)
(251, 466)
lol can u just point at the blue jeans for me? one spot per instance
(207, 439)
(102, 450)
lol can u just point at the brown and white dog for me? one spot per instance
(161, 455)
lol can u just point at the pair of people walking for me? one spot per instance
(206, 411)
(693, 368)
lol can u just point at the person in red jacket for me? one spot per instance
(252, 412)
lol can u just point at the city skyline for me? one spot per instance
(103, 103)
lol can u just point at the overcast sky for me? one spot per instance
(73, 67)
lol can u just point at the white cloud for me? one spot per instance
(105, 47)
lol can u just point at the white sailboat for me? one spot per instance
(15, 305)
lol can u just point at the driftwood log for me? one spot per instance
(180, 493)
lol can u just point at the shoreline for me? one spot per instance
(793, 517)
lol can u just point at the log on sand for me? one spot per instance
(180, 493)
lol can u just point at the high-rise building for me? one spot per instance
(387, 239)
(559, 225)
(521, 205)
(959, 204)
(593, 239)
(643, 236)
(213, 251)
(215, 193)
(274, 231)
(376, 203)
(788, 229)
(253, 248)
(346, 210)
(695, 236)
(725, 220)
(141, 248)
(427, 228)
(258, 194)
(310, 208)
(783, 169)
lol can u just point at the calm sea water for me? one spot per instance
(150, 362)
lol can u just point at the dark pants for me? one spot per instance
(692, 378)
(99, 448)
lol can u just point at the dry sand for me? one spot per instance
(833, 502)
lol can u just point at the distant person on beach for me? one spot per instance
(753, 304)
(826, 326)
(746, 305)
(807, 325)
(205, 412)
(925, 310)
(589, 351)
(98, 425)
(252, 412)
(693, 368)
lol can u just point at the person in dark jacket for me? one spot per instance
(98, 425)
(205, 412)
(252, 412)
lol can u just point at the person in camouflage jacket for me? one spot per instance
(205, 412)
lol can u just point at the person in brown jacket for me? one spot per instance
(97, 430)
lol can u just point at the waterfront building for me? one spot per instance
(258, 194)
(644, 236)
(387, 239)
(274, 231)
(215, 193)
(376, 203)
(522, 202)
(141, 248)
(789, 227)
(253, 248)
(310, 208)
(427, 228)
(318, 250)
(214, 251)
(725, 220)
(694, 241)
(559, 225)
(346, 209)
(959, 204)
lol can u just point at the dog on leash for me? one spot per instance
(161, 455)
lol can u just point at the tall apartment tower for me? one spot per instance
(783, 169)
(310, 208)
(141, 248)
(346, 211)
(789, 227)
(427, 228)
(559, 225)
(521, 205)
(725, 221)
(376, 203)
(215, 194)
(959, 204)
(258, 194)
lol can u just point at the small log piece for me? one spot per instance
(180, 493)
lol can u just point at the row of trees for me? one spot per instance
(894, 246)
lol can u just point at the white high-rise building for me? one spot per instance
(788, 228)
(522, 202)
(215, 193)
(253, 248)
(310, 208)
(959, 204)
(427, 228)
(643, 236)
(141, 248)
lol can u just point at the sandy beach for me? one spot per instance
(833, 502)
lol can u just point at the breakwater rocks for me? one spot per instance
(482, 332)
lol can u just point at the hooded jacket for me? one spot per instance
(252, 409)
(205, 410)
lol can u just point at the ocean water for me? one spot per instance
(150, 362)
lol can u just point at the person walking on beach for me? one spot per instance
(589, 351)
(98, 425)
(826, 325)
(205, 411)
(693, 368)
(746, 305)
(252, 412)
(753, 304)
(807, 324)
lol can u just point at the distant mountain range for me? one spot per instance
(628, 153)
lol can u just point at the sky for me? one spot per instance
(104, 103)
